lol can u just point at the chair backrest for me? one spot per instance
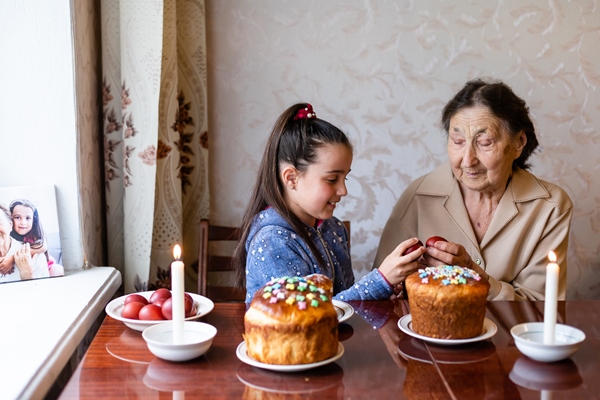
(347, 225)
(219, 263)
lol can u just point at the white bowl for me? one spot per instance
(197, 339)
(113, 309)
(529, 338)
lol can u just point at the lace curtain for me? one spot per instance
(155, 136)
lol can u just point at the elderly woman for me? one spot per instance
(24, 266)
(499, 219)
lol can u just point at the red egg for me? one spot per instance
(160, 294)
(151, 312)
(132, 310)
(190, 307)
(167, 307)
(160, 301)
(136, 297)
(431, 241)
(412, 248)
(193, 311)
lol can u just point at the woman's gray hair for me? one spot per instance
(5, 212)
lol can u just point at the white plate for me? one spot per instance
(489, 330)
(113, 309)
(242, 354)
(343, 310)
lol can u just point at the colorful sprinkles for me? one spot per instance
(286, 288)
(450, 275)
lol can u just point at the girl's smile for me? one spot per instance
(314, 194)
(22, 219)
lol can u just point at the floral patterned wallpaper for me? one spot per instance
(382, 71)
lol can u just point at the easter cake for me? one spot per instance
(447, 302)
(291, 320)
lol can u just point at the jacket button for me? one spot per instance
(478, 261)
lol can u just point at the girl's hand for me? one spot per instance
(24, 262)
(396, 267)
(448, 253)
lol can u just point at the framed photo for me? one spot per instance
(29, 221)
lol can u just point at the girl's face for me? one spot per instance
(480, 150)
(22, 219)
(315, 193)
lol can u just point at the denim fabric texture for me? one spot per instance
(275, 250)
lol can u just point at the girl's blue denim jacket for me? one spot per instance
(275, 250)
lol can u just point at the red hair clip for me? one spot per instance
(305, 113)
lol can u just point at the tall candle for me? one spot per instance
(177, 293)
(550, 300)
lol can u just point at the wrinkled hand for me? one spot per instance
(397, 267)
(398, 292)
(24, 262)
(6, 264)
(449, 253)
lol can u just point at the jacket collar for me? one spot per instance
(522, 187)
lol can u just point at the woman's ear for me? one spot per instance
(521, 142)
(289, 177)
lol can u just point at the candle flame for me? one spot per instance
(552, 256)
(177, 252)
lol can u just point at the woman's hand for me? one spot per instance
(6, 264)
(448, 253)
(396, 267)
(24, 262)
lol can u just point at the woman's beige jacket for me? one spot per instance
(532, 219)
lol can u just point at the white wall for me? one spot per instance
(382, 71)
(37, 108)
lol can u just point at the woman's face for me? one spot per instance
(22, 217)
(481, 151)
(5, 224)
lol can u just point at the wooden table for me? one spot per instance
(379, 362)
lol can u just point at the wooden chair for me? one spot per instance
(219, 263)
(347, 225)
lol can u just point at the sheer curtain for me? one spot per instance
(155, 136)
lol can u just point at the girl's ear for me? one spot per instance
(289, 177)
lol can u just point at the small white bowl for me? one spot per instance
(197, 339)
(529, 338)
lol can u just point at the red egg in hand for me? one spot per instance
(431, 241)
(412, 248)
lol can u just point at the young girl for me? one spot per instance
(289, 229)
(27, 228)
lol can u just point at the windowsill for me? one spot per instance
(42, 323)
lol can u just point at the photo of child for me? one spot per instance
(29, 235)
(27, 228)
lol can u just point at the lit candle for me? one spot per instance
(550, 300)
(177, 293)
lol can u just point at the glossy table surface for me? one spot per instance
(379, 362)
